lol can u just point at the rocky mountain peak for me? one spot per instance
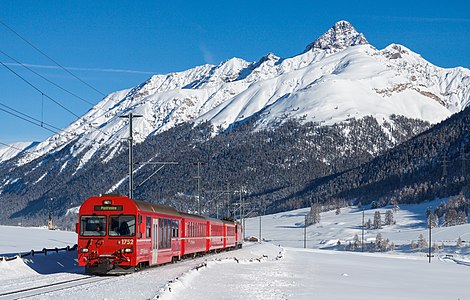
(340, 36)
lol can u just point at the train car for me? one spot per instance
(118, 235)
(216, 235)
(193, 240)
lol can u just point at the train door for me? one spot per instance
(155, 241)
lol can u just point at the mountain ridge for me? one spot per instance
(339, 88)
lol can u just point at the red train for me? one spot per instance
(119, 235)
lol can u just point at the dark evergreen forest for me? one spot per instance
(278, 169)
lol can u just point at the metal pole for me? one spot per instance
(131, 161)
(228, 198)
(305, 232)
(362, 241)
(430, 248)
(242, 214)
(260, 228)
(130, 116)
(198, 187)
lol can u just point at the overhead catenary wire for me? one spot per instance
(43, 94)
(46, 126)
(21, 150)
(51, 59)
(53, 100)
(41, 123)
(40, 91)
(46, 79)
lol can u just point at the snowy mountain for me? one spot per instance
(354, 100)
(10, 151)
(339, 76)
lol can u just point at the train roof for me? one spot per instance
(151, 207)
(188, 215)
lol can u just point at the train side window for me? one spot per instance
(174, 228)
(177, 228)
(165, 232)
(160, 233)
(148, 226)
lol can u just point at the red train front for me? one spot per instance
(118, 235)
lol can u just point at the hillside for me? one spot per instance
(277, 128)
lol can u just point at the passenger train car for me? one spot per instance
(119, 235)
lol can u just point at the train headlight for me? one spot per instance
(84, 250)
(128, 250)
(107, 202)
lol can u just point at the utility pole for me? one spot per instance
(430, 243)
(131, 116)
(242, 213)
(220, 193)
(362, 241)
(305, 232)
(260, 228)
(198, 177)
(463, 159)
(444, 167)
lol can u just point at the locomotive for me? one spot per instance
(118, 235)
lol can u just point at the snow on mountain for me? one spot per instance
(10, 151)
(339, 76)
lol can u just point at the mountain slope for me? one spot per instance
(429, 166)
(10, 151)
(350, 102)
(338, 77)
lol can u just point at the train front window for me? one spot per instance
(122, 225)
(93, 225)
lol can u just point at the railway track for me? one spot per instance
(49, 288)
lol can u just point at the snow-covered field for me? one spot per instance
(279, 268)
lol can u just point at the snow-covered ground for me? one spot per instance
(279, 268)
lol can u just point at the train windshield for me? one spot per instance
(122, 225)
(93, 225)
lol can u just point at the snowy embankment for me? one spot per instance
(278, 269)
(322, 274)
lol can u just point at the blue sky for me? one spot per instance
(115, 45)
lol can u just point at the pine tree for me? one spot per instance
(422, 243)
(314, 215)
(377, 220)
(368, 224)
(389, 217)
(450, 218)
(461, 218)
(378, 242)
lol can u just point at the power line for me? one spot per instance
(53, 100)
(12, 147)
(42, 124)
(55, 62)
(37, 89)
(43, 77)
(21, 150)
